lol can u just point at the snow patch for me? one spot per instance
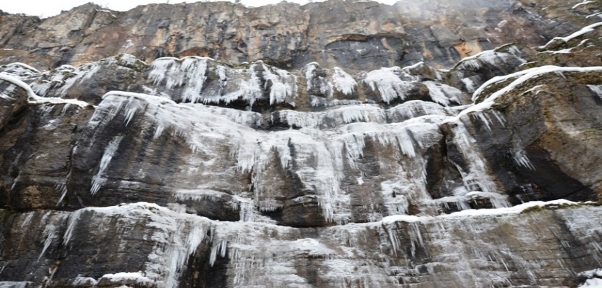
(581, 32)
(390, 220)
(416, 108)
(585, 2)
(443, 94)
(343, 82)
(128, 278)
(521, 77)
(594, 278)
(19, 70)
(35, 99)
(470, 85)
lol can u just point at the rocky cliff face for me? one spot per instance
(361, 36)
(305, 153)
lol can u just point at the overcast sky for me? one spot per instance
(46, 8)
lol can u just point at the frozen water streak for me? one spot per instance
(98, 180)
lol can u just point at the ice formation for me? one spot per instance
(347, 252)
(20, 70)
(343, 82)
(388, 82)
(583, 31)
(342, 129)
(594, 278)
(322, 144)
(98, 180)
(192, 76)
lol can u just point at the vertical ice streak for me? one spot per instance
(597, 89)
(97, 180)
(476, 177)
(189, 73)
(73, 220)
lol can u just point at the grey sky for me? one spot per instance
(45, 8)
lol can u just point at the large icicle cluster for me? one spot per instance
(325, 153)
(327, 147)
(197, 79)
(389, 83)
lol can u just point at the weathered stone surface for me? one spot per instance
(12, 101)
(345, 171)
(549, 127)
(361, 36)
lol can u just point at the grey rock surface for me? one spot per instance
(258, 169)
(358, 36)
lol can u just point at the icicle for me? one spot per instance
(195, 70)
(190, 73)
(82, 73)
(415, 237)
(73, 219)
(522, 160)
(130, 110)
(499, 201)
(283, 85)
(437, 94)
(50, 237)
(405, 143)
(63, 189)
(97, 180)
(217, 247)
(500, 117)
(392, 238)
(27, 219)
(477, 173)
(416, 108)
(484, 118)
(388, 83)
(246, 209)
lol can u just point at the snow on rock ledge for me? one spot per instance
(35, 99)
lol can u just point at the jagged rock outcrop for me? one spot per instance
(345, 171)
(361, 36)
